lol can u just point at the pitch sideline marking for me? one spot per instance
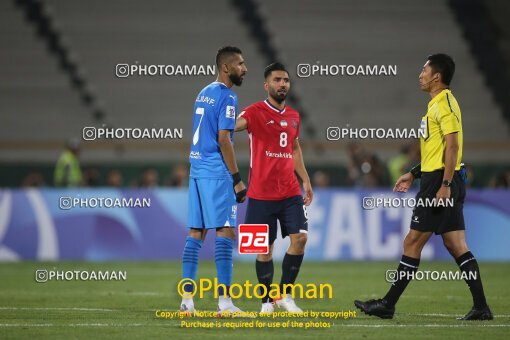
(152, 325)
(62, 308)
(450, 315)
(425, 326)
(152, 310)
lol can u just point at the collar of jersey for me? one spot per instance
(219, 82)
(438, 97)
(274, 108)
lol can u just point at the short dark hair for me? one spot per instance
(443, 64)
(274, 67)
(225, 52)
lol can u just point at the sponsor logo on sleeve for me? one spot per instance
(230, 112)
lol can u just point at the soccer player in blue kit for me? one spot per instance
(215, 184)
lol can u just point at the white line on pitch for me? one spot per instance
(61, 308)
(144, 293)
(418, 325)
(166, 324)
(81, 325)
(450, 315)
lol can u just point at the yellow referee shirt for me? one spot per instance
(443, 117)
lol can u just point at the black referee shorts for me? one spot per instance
(291, 213)
(439, 220)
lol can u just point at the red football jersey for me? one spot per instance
(271, 135)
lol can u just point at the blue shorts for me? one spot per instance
(211, 203)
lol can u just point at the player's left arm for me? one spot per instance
(299, 167)
(451, 153)
(450, 126)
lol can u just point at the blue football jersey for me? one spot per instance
(215, 109)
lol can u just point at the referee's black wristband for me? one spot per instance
(237, 178)
(416, 171)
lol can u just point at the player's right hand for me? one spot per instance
(240, 190)
(404, 182)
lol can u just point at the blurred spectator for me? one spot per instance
(150, 178)
(409, 156)
(506, 175)
(365, 169)
(320, 179)
(134, 183)
(33, 179)
(179, 177)
(67, 170)
(501, 180)
(471, 179)
(114, 178)
(91, 177)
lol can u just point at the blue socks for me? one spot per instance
(190, 260)
(223, 257)
(224, 264)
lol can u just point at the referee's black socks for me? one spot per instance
(265, 272)
(469, 267)
(290, 270)
(405, 272)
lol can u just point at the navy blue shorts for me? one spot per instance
(291, 212)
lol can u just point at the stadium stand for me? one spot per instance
(102, 35)
(485, 36)
(37, 103)
(322, 34)
(41, 110)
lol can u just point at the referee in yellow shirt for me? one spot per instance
(441, 179)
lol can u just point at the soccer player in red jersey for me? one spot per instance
(274, 192)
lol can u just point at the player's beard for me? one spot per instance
(279, 98)
(236, 79)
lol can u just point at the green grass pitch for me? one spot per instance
(126, 309)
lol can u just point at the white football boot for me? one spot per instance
(226, 308)
(288, 304)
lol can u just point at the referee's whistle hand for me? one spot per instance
(404, 182)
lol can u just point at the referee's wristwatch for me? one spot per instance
(447, 183)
